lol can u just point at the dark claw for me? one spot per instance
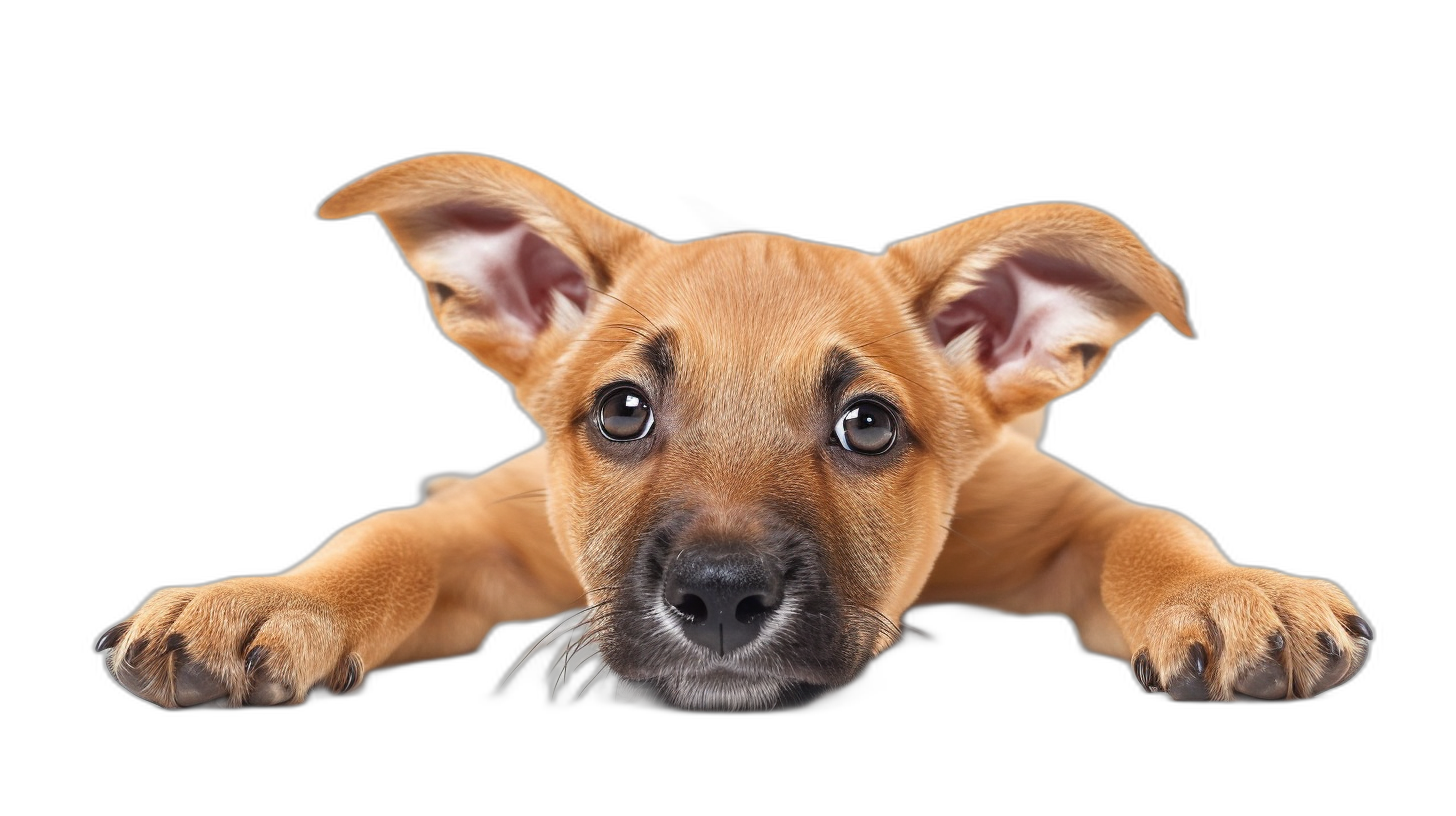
(1276, 642)
(112, 636)
(1198, 658)
(1327, 644)
(353, 665)
(256, 656)
(175, 642)
(1142, 667)
(1358, 626)
(1191, 686)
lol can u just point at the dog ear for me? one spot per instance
(1034, 297)
(511, 260)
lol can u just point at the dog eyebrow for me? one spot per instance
(657, 354)
(840, 369)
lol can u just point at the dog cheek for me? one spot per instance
(596, 517)
(884, 549)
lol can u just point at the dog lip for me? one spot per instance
(726, 690)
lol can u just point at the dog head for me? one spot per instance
(755, 443)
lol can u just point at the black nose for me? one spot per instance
(724, 594)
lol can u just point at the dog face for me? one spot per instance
(755, 443)
(753, 485)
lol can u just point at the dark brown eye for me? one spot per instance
(867, 427)
(624, 415)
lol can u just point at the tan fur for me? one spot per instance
(973, 512)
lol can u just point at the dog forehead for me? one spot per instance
(762, 309)
(751, 290)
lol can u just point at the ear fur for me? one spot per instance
(511, 260)
(1034, 297)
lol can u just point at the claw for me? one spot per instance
(1276, 642)
(1198, 658)
(256, 656)
(353, 666)
(111, 636)
(1327, 644)
(1358, 626)
(1142, 667)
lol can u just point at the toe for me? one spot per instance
(1266, 678)
(195, 684)
(1192, 683)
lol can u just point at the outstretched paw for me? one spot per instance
(252, 641)
(1254, 632)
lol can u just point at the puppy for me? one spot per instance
(759, 452)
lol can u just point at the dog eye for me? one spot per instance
(624, 415)
(867, 427)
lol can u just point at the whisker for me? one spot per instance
(892, 373)
(521, 661)
(538, 493)
(582, 692)
(628, 327)
(628, 305)
(880, 623)
(886, 337)
(916, 630)
(569, 653)
(964, 537)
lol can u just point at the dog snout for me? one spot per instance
(724, 594)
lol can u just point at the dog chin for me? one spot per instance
(732, 691)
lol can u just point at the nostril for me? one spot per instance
(692, 607)
(723, 595)
(752, 607)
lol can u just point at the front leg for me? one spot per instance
(410, 584)
(1033, 535)
(1201, 628)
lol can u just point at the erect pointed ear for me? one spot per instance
(1034, 297)
(511, 260)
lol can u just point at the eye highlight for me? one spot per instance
(867, 427)
(624, 414)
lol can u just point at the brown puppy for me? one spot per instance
(759, 452)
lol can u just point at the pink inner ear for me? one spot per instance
(990, 307)
(1024, 308)
(515, 271)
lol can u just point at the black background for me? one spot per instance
(258, 378)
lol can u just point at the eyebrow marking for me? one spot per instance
(657, 354)
(840, 369)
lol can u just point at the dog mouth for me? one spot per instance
(568, 663)
(733, 632)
